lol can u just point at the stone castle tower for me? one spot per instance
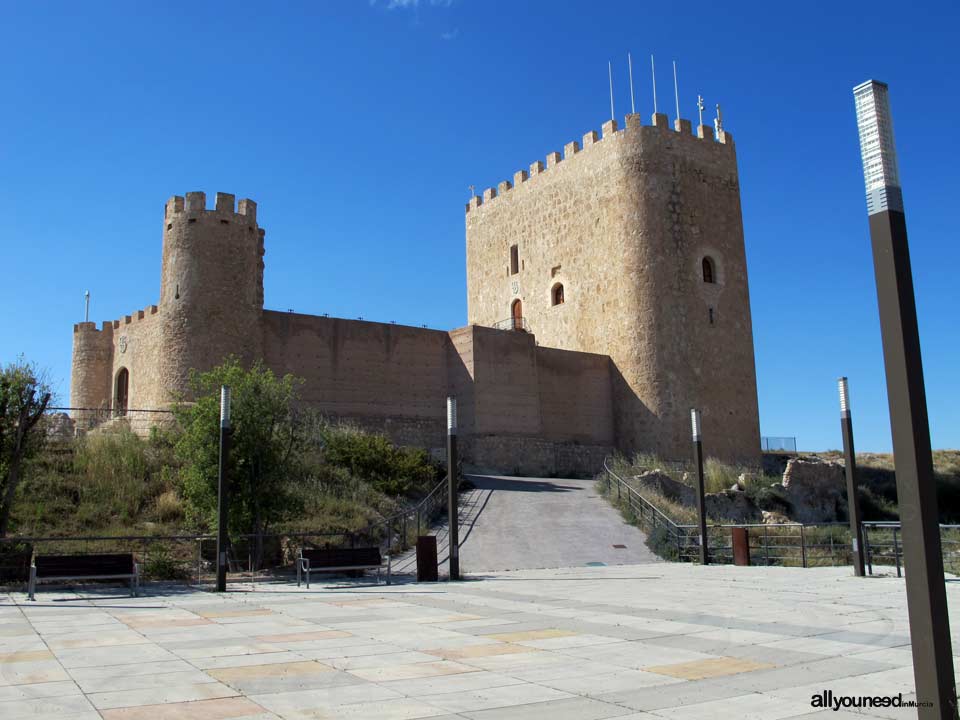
(607, 295)
(631, 246)
(211, 305)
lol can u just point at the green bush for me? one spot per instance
(391, 469)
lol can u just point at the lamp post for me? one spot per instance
(913, 460)
(453, 519)
(701, 500)
(853, 496)
(223, 489)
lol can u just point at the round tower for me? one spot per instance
(90, 376)
(211, 287)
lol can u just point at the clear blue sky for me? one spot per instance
(359, 126)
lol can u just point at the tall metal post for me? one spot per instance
(223, 489)
(913, 460)
(701, 500)
(853, 495)
(453, 480)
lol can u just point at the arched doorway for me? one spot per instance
(122, 392)
(516, 313)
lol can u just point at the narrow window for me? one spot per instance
(711, 316)
(514, 260)
(556, 295)
(708, 272)
(122, 392)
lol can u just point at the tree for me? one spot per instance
(266, 447)
(24, 398)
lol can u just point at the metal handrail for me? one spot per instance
(632, 491)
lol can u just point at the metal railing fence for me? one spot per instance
(788, 544)
(883, 545)
(786, 444)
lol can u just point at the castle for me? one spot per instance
(607, 296)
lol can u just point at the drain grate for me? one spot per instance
(620, 547)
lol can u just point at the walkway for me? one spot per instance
(632, 642)
(512, 523)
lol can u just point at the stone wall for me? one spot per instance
(376, 374)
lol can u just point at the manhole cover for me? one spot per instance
(596, 563)
(620, 547)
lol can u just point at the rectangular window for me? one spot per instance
(514, 260)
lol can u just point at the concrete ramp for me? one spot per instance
(511, 523)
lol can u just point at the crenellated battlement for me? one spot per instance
(194, 205)
(591, 139)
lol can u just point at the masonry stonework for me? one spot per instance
(614, 362)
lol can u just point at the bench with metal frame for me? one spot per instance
(339, 560)
(52, 568)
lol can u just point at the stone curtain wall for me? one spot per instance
(623, 223)
(378, 375)
(518, 405)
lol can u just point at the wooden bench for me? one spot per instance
(119, 566)
(339, 559)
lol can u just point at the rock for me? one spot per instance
(774, 518)
(814, 488)
(732, 506)
(671, 489)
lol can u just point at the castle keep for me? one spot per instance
(607, 295)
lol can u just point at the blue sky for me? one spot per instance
(359, 126)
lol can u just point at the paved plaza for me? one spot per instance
(660, 640)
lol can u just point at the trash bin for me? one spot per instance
(427, 559)
(740, 539)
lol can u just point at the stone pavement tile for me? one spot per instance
(402, 709)
(387, 659)
(455, 618)
(118, 655)
(20, 656)
(310, 703)
(635, 654)
(538, 665)
(69, 706)
(461, 682)
(523, 635)
(569, 709)
(495, 697)
(233, 708)
(819, 645)
(891, 656)
(570, 641)
(673, 695)
(175, 620)
(752, 706)
(124, 681)
(479, 651)
(360, 649)
(701, 669)
(206, 649)
(259, 680)
(303, 636)
(232, 612)
(25, 673)
(414, 670)
(160, 695)
(95, 639)
(593, 685)
(99, 672)
(228, 661)
(829, 670)
(38, 690)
